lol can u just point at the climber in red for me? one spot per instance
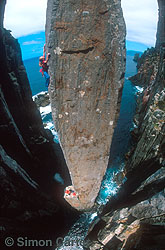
(44, 65)
(70, 192)
(67, 192)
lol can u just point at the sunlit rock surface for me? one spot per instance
(87, 64)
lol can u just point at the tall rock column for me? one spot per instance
(160, 37)
(86, 40)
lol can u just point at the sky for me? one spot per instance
(141, 17)
(26, 19)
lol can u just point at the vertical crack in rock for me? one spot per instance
(86, 40)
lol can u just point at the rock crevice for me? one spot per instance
(85, 51)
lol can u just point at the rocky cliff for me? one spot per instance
(135, 217)
(86, 40)
(28, 156)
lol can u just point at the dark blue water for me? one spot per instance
(121, 139)
(37, 82)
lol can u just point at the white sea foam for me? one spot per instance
(94, 215)
(138, 89)
(109, 186)
(108, 189)
(50, 125)
(45, 111)
(134, 125)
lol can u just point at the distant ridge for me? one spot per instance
(136, 46)
(133, 52)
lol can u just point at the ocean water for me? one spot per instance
(121, 139)
(37, 82)
(32, 45)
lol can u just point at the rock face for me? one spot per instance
(41, 99)
(161, 25)
(140, 226)
(28, 156)
(150, 114)
(2, 9)
(87, 45)
(135, 217)
(147, 66)
(21, 122)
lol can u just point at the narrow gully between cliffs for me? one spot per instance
(120, 145)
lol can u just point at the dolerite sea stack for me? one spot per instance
(86, 40)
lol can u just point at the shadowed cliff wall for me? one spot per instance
(30, 198)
